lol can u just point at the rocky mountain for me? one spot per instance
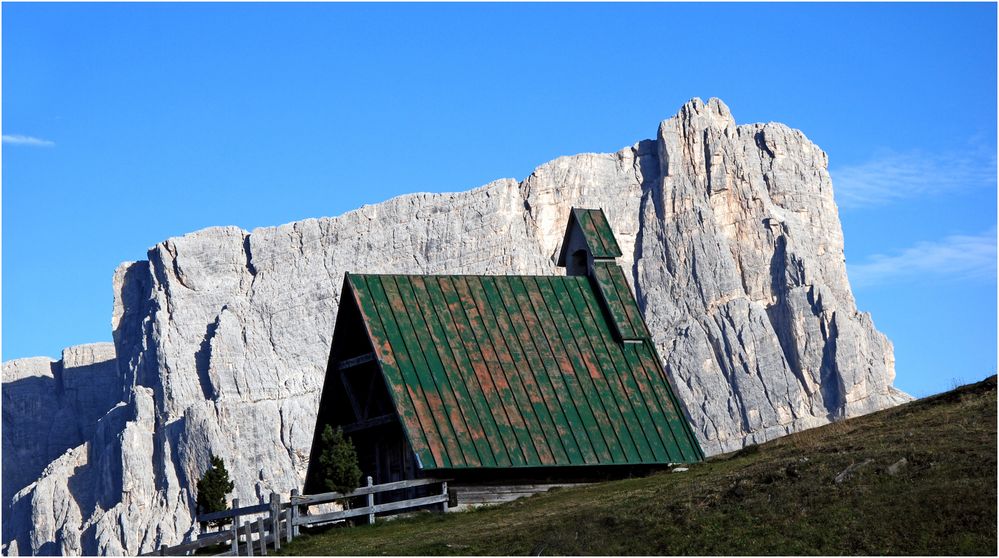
(52, 406)
(221, 337)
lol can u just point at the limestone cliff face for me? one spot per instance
(735, 251)
(52, 406)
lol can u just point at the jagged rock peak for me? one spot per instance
(715, 112)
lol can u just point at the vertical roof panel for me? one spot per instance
(433, 396)
(480, 325)
(630, 433)
(538, 366)
(492, 451)
(648, 395)
(604, 231)
(588, 409)
(585, 371)
(422, 393)
(629, 395)
(627, 298)
(511, 358)
(512, 454)
(683, 434)
(571, 406)
(465, 452)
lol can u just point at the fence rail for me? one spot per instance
(235, 512)
(276, 520)
(370, 510)
(362, 491)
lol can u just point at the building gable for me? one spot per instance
(504, 371)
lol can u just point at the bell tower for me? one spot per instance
(589, 249)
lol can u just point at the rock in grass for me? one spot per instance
(845, 474)
(895, 467)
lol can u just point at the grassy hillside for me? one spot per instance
(777, 498)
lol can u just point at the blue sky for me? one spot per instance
(125, 124)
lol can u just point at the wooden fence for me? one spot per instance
(277, 520)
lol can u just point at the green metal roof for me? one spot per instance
(522, 371)
(596, 232)
(626, 318)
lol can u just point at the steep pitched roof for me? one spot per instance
(522, 371)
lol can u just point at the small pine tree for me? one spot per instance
(338, 462)
(212, 490)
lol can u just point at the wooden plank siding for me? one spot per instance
(523, 371)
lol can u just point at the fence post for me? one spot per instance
(235, 529)
(294, 512)
(371, 504)
(249, 538)
(444, 493)
(276, 519)
(262, 535)
(288, 530)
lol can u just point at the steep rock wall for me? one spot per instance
(51, 406)
(735, 250)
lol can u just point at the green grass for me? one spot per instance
(776, 498)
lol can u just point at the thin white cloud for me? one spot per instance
(15, 139)
(895, 176)
(954, 257)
